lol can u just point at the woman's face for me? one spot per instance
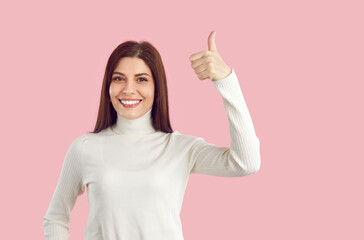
(132, 79)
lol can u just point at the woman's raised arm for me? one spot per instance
(243, 156)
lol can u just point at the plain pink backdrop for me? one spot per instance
(300, 67)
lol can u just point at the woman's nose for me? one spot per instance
(129, 87)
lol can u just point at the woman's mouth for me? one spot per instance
(129, 104)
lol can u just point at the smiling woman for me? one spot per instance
(134, 71)
(134, 166)
(131, 95)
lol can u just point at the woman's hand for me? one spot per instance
(209, 64)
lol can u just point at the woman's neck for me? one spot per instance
(134, 127)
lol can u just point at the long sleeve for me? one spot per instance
(69, 187)
(243, 156)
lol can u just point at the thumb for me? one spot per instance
(211, 42)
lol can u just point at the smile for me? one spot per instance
(129, 104)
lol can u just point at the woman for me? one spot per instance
(134, 166)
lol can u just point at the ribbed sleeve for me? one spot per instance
(69, 187)
(243, 156)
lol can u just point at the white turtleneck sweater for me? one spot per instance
(136, 176)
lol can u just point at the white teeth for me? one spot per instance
(130, 102)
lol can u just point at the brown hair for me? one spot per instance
(148, 53)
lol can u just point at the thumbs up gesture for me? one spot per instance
(209, 64)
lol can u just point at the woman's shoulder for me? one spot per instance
(86, 137)
(90, 137)
(80, 139)
(187, 138)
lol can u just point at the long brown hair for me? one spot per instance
(107, 115)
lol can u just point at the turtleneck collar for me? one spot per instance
(134, 127)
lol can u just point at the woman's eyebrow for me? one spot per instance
(138, 74)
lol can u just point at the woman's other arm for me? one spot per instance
(69, 187)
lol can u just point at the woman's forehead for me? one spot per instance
(128, 65)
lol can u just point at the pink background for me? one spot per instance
(300, 67)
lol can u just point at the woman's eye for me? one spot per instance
(119, 78)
